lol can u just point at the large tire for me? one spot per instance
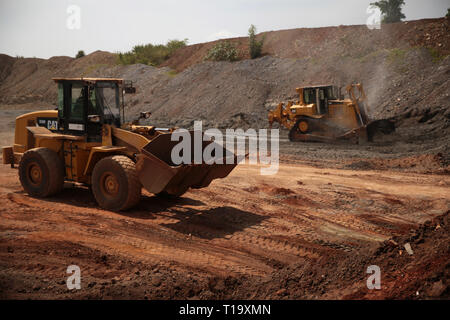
(41, 172)
(115, 183)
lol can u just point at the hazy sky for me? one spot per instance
(45, 28)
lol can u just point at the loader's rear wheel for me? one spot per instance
(41, 172)
(115, 183)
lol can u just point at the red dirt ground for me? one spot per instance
(303, 233)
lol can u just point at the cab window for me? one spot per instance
(330, 93)
(108, 99)
(93, 106)
(309, 96)
(321, 94)
(61, 100)
(77, 104)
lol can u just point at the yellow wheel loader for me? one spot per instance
(322, 115)
(86, 141)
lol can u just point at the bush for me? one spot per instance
(174, 45)
(448, 14)
(80, 54)
(150, 54)
(255, 46)
(223, 51)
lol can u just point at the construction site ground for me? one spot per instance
(308, 232)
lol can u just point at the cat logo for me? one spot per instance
(49, 123)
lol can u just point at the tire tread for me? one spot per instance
(55, 169)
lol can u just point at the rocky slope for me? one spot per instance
(403, 67)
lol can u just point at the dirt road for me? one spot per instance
(246, 226)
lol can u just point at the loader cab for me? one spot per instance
(320, 96)
(84, 105)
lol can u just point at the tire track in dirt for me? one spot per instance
(244, 225)
(194, 254)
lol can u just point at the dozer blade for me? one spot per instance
(158, 173)
(383, 126)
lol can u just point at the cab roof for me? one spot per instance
(91, 80)
(317, 86)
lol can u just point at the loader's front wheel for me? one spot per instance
(115, 183)
(41, 172)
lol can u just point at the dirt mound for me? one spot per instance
(30, 79)
(6, 63)
(194, 54)
(401, 66)
(410, 88)
(356, 41)
(423, 275)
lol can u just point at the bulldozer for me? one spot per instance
(322, 114)
(86, 141)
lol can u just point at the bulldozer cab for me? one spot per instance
(320, 96)
(85, 104)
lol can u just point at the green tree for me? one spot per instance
(255, 46)
(80, 54)
(448, 13)
(391, 10)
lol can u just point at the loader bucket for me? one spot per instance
(158, 173)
